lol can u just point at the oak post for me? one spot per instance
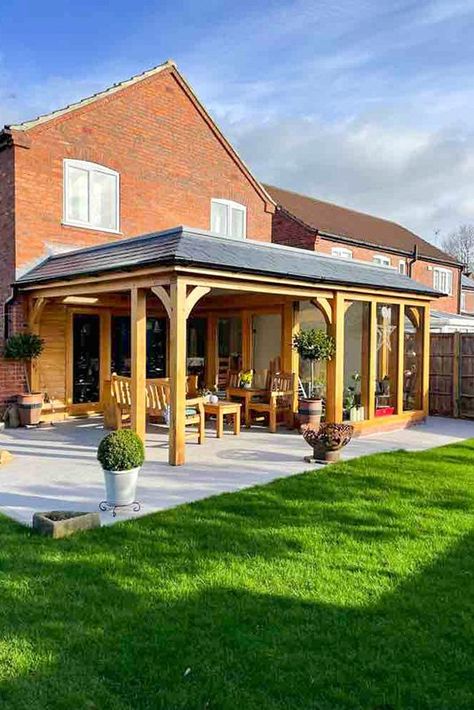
(372, 359)
(426, 361)
(290, 359)
(335, 366)
(138, 365)
(177, 372)
(400, 357)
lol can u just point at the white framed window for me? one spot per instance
(341, 253)
(463, 300)
(443, 280)
(381, 260)
(402, 266)
(91, 196)
(228, 218)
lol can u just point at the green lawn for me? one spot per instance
(352, 587)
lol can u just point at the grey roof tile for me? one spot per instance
(185, 246)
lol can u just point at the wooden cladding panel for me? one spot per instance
(52, 363)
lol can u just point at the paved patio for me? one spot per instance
(56, 468)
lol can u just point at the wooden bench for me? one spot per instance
(157, 392)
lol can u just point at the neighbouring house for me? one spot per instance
(96, 260)
(329, 229)
(467, 294)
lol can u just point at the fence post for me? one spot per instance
(456, 378)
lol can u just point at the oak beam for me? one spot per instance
(323, 304)
(194, 296)
(162, 295)
(138, 365)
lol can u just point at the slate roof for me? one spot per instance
(191, 247)
(364, 229)
(467, 282)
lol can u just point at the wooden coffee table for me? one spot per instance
(220, 410)
(246, 394)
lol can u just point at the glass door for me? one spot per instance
(86, 358)
(266, 346)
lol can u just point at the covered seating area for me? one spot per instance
(128, 326)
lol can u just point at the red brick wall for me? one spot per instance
(423, 271)
(170, 162)
(290, 232)
(325, 246)
(469, 302)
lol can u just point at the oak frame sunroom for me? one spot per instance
(173, 279)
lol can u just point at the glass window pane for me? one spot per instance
(237, 224)
(311, 317)
(86, 358)
(103, 200)
(77, 209)
(219, 218)
(412, 359)
(387, 356)
(356, 361)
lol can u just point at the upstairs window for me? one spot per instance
(443, 281)
(402, 266)
(463, 300)
(228, 219)
(91, 196)
(381, 260)
(341, 253)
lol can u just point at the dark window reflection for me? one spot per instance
(155, 346)
(86, 358)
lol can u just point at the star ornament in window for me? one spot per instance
(385, 330)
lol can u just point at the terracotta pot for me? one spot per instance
(29, 407)
(310, 411)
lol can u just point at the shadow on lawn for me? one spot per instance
(107, 647)
(137, 616)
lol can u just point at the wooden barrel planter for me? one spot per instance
(310, 411)
(29, 408)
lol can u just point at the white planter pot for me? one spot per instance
(120, 486)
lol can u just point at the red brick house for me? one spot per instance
(96, 261)
(152, 140)
(337, 231)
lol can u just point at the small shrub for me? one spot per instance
(24, 347)
(121, 451)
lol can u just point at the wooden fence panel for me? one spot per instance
(442, 360)
(452, 374)
(466, 375)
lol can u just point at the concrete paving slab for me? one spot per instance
(56, 468)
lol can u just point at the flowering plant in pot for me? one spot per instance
(246, 379)
(24, 348)
(313, 345)
(121, 455)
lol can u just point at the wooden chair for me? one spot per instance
(157, 392)
(233, 380)
(279, 401)
(222, 372)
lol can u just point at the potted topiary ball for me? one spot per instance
(121, 455)
(313, 345)
(24, 348)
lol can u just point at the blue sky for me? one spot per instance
(365, 103)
